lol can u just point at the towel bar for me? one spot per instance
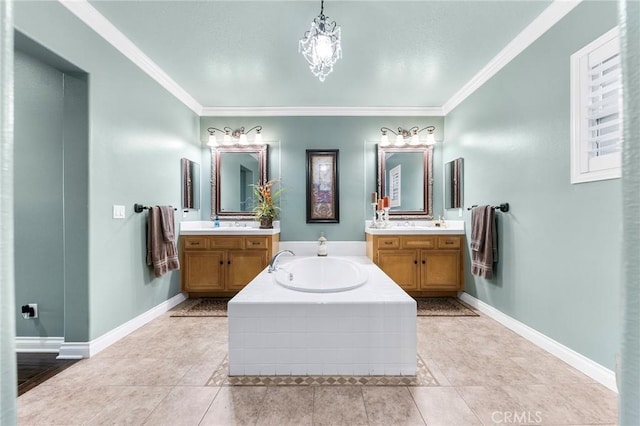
(139, 208)
(504, 207)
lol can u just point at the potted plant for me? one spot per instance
(265, 208)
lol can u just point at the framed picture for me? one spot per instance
(322, 186)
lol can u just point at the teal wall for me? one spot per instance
(138, 133)
(355, 137)
(38, 189)
(559, 267)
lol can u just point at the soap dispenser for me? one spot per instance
(216, 222)
(322, 245)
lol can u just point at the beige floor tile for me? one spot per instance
(494, 371)
(333, 405)
(130, 405)
(443, 406)
(235, 406)
(390, 406)
(593, 402)
(62, 405)
(285, 406)
(492, 405)
(548, 369)
(184, 405)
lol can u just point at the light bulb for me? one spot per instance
(431, 139)
(212, 140)
(258, 139)
(415, 139)
(324, 49)
(399, 140)
(243, 139)
(227, 139)
(384, 140)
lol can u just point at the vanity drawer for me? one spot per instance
(226, 242)
(256, 243)
(388, 242)
(449, 242)
(194, 243)
(421, 242)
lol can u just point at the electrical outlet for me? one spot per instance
(118, 212)
(30, 311)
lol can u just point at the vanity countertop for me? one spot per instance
(455, 227)
(226, 228)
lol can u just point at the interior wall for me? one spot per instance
(138, 134)
(355, 137)
(558, 269)
(38, 189)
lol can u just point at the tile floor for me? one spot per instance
(158, 374)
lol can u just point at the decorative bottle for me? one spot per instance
(322, 245)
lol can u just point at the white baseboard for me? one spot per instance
(38, 344)
(589, 367)
(76, 350)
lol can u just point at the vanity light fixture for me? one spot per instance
(235, 137)
(321, 45)
(403, 134)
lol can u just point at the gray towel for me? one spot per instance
(484, 241)
(162, 252)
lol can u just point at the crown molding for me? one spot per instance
(303, 111)
(103, 27)
(547, 19)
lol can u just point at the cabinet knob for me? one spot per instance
(415, 262)
(228, 262)
(221, 262)
(424, 261)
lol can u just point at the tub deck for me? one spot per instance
(369, 330)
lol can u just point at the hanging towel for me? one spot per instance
(162, 252)
(484, 241)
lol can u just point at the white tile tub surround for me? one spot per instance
(370, 330)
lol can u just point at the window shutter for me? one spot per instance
(597, 110)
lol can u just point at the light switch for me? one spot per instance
(118, 212)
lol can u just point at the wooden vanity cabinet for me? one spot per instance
(222, 265)
(421, 264)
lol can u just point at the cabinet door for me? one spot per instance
(440, 270)
(401, 266)
(203, 270)
(243, 266)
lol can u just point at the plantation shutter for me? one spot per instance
(601, 141)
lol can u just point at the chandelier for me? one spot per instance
(320, 46)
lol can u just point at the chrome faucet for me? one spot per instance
(273, 265)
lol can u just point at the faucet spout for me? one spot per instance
(273, 265)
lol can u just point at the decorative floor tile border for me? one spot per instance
(423, 377)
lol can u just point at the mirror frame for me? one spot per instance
(453, 183)
(427, 171)
(261, 150)
(189, 185)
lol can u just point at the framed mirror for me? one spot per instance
(190, 192)
(233, 170)
(453, 184)
(405, 175)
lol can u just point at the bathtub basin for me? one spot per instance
(321, 275)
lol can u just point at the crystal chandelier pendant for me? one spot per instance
(321, 46)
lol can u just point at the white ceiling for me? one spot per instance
(244, 54)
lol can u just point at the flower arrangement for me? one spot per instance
(265, 208)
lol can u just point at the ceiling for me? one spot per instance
(395, 53)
